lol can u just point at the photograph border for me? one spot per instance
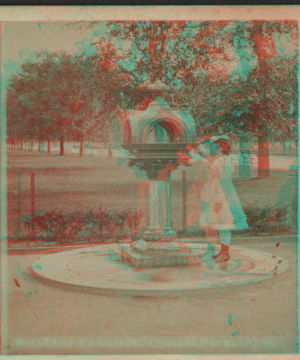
(126, 13)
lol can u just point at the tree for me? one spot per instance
(260, 89)
(104, 82)
(185, 55)
(220, 70)
(273, 83)
(62, 96)
(46, 96)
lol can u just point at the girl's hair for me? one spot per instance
(224, 146)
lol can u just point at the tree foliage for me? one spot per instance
(60, 95)
(235, 77)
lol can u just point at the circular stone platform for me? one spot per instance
(91, 270)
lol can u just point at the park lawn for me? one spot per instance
(89, 182)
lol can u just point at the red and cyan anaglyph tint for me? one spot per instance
(152, 187)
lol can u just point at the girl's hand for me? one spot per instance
(183, 158)
(189, 148)
(203, 149)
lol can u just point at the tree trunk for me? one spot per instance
(284, 147)
(109, 147)
(39, 145)
(263, 157)
(42, 146)
(31, 147)
(62, 146)
(21, 144)
(81, 148)
(49, 144)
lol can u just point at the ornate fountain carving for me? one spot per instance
(153, 135)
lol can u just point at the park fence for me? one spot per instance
(46, 215)
(33, 215)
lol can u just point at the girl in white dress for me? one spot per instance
(220, 208)
(200, 155)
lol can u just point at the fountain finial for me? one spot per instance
(155, 89)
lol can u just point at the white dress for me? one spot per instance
(220, 208)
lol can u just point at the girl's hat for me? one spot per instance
(203, 140)
(219, 138)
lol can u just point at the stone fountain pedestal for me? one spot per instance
(160, 197)
(154, 135)
(158, 253)
(155, 247)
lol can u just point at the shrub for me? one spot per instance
(267, 219)
(261, 220)
(105, 222)
(58, 224)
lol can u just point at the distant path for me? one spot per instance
(277, 162)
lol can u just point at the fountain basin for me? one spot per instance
(91, 270)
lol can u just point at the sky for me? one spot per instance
(24, 38)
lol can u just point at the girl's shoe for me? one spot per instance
(218, 255)
(224, 256)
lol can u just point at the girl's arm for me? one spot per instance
(197, 157)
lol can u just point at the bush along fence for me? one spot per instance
(266, 220)
(100, 224)
(106, 224)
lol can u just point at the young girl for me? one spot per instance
(220, 208)
(200, 155)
